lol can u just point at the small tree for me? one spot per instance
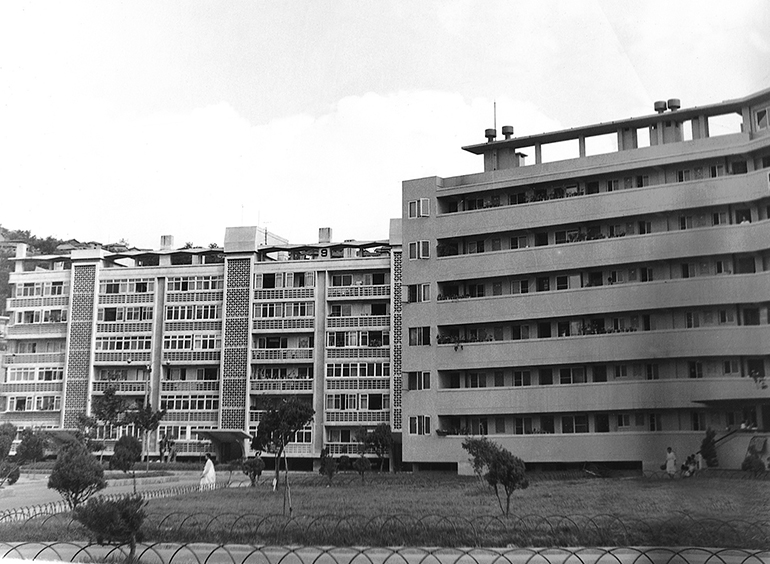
(115, 521)
(508, 472)
(708, 449)
(328, 465)
(278, 427)
(380, 441)
(85, 433)
(76, 475)
(253, 468)
(362, 466)
(481, 451)
(9, 471)
(146, 420)
(128, 451)
(32, 446)
(498, 467)
(344, 463)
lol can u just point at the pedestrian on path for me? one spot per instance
(209, 475)
(670, 462)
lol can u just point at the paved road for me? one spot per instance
(32, 489)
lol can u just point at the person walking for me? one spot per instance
(209, 475)
(670, 462)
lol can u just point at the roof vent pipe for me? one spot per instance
(490, 134)
(660, 106)
(508, 131)
(674, 104)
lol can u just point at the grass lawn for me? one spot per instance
(440, 509)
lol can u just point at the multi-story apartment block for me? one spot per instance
(599, 307)
(213, 336)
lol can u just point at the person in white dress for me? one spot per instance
(209, 475)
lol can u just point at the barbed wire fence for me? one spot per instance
(200, 553)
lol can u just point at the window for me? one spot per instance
(418, 293)
(762, 119)
(496, 244)
(751, 316)
(207, 342)
(522, 425)
(20, 403)
(419, 208)
(475, 380)
(543, 284)
(628, 182)
(624, 420)
(545, 376)
(419, 380)
(574, 375)
(695, 369)
(419, 425)
(692, 319)
(419, 336)
(685, 222)
(521, 286)
(476, 246)
(499, 379)
(519, 242)
(600, 373)
(731, 367)
(541, 239)
(642, 181)
(645, 274)
(612, 185)
(698, 421)
(419, 250)
(683, 175)
(574, 424)
(544, 330)
(48, 403)
(563, 328)
(717, 170)
(726, 316)
(520, 332)
(645, 227)
(562, 282)
(653, 372)
(621, 371)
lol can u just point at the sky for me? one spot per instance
(135, 119)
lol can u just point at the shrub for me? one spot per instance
(114, 521)
(32, 446)
(76, 475)
(9, 473)
(481, 451)
(498, 467)
(344, 463)
(362, 466)
(328, 467)
(128, 451)
(253, 468)
(753, 463)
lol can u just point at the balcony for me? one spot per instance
(617, 395)
(38, 301)
(358, 352)
(629, 296)
(359, 291)
(191, 356)
(284, 324)
(192, 416)
(282, 354)
(11, 388)
(122, 357)
(195, 296)
(121, 386)
(382, 416)
(665, 245)
(34, 358)
(615, 347)
(125, 327)
(281, 385)
(142, 298)
(35, 329)
(382, 321)
(284, 294)
(189, 386)
(351, 383)
(197, 325)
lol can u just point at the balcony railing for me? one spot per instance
(382, 416)
(362, 321)
(124, 386)
(122, 357)
(382, 290)
(31, 387)
(37, 301)
(284, 293)
(189, 386)
(358, 383)
(202, 296)
(34, 358)
(281, 385)
(125, 327)
(192, 416)
(192, 356)
(197, 325)
(37, 329)
(288, 323)
(143, 298)
(358, 352)
(282, 354)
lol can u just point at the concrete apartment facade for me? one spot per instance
(599, 307)
(595, 308)
(213, 336)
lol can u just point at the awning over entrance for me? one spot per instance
(223, 435)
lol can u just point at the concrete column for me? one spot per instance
(582, 146)
(538, 153)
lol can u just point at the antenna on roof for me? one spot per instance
(494, 111)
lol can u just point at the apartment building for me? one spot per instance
(596, 294)
(211, 335)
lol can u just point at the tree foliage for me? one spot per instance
(328, 466)
(362, 466)
(128, 451)
(499, 468)
(32, 446)
(109, 408)
(146, 420)
(378, 441)
(114, 521)
(76, 475)
(279, 426)
(9, 471)
(253, 468)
